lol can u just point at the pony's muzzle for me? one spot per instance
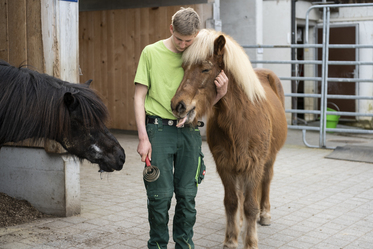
(115, 161)
(121, 158)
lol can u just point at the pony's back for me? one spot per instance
(273, 80)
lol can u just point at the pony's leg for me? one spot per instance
(231, 206)
(240, 205)
(241, 199)
(241, 214)
(265, 205)
(251, 210)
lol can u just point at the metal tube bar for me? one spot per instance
(350, 114)
(283, 46)
(350, 63)
(302, 111)
(288, 62)
(329, 112)
(304, 95)
(301, 78)
(350, 46)
(299, 127)
(308, 46)
(335, 96)
(324, 82)
(350, 130)
(329, 79)
(305, 142)
(331, 96)
(314, 62)
(350, 80)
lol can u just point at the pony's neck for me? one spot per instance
(233, 103)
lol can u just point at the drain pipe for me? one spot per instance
(294, 83)
(215, 23)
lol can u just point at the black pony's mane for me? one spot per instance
(32, 105)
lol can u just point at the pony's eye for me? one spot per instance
(205, 70)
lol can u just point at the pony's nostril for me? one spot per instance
(123, 158)
(181, 107)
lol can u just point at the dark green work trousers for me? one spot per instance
(177, 154)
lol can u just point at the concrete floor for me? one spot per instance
(316, 203)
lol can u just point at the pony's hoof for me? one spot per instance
(230, 245)
(265, 221)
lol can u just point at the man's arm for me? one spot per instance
(221, 83)
(144, 147)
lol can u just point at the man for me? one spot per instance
(176, 151)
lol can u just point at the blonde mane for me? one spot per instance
(235, 59)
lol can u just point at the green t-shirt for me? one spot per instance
(160, 70)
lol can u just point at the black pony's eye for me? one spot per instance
(205, 70)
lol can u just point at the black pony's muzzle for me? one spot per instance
(121, 159)
(105, 169)
(117, 159)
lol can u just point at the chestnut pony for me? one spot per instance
(245, 129)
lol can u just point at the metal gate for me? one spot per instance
(324, 77)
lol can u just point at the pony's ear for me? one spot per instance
(70, 101)
(219, 44)
(88, 82)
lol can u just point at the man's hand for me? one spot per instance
(221, 83)
(144, 149)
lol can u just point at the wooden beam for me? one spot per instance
(33, 34)
(4, 39)
(17, 32)
(90, 5)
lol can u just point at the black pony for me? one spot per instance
(34, 105)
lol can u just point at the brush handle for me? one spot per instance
(147, 161)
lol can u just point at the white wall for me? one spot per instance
(366, 72)
(239, 20)
(277, 31)
(309, 53)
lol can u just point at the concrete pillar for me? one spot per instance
(50, 182)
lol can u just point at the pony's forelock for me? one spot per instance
(235, 59)
(201, 48)
(94, 112)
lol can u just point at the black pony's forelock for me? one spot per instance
(32, 105)
(94, 112)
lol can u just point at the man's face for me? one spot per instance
(181, 42)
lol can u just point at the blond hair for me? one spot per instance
(186, 21)
(235, 59)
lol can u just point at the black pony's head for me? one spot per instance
(87, 137)
(34, 105)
